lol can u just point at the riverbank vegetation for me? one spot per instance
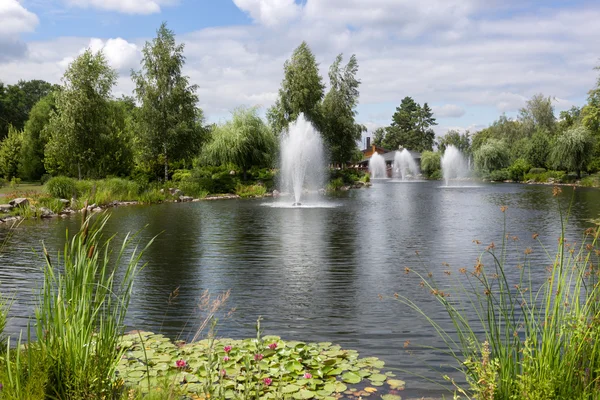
(513, 338)
(158, 137)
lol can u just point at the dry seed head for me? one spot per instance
(462, 270)
(535, 236)
(406, 270)
(556, 191)
(528, 251)
(406, 344)
(447, 272)
(503, 208)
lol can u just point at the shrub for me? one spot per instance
(518, 169)
(181, 175)
(500, 175)
(537, 170)
(492, 155)
(430, 164)
(335, 184)
(245, 191)
(62, 187)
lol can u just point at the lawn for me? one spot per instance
(26, 187)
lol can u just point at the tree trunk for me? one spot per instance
(166, 165)
(244, 172)
(578, 174)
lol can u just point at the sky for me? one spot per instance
(471, 60)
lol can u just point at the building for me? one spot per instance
(388, 156)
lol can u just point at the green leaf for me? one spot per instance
(351, 377)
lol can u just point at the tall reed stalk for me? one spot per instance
(516, 341)
(81, 312)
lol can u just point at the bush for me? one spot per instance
(500, 175)
(348, 176)
(246, 191)
(558, 176)
(518, 169)
(430, 164)
(335, 184)
(436, 175)
(181, 175)
(62, 187)
(537, 170)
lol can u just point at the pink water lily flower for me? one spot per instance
(227, 349)
(181, 364)
(307, 376)
(225, 358)
(267, 381)
(258, 357)
(273, 346)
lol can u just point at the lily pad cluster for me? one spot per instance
(268, 368)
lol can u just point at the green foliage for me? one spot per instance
(10, 153)
(538, 114)
(80, 317)
(35, 138)
(538, 150)
(378, 137)
(541, 175)
(347, 176)
(461, 141)
(573, 150)
(301, 91)
(499, 175)
(492, 155)
(335, 184)
(518, 169)
(80, 129)
(508, 130)
(246, 191)
(169, 123)
(411, 127)
(245, 141)
(431, 164)
(61, 187)
(339, 128)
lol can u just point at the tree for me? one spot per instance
(245, 141)
(301, 91)
(492, 155)
(538, 114)
(461, 141)
(378, 136)
(431, 162)
(340, 130)
(538, 149)
(411, 127)
(168, 123)
(10, 153)
(17, 100)
(80, 127)
(573, 150)
(35, 138)
(506, 129)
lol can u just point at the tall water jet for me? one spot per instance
(405, 166)
(377, 167)
(302, 159)
(454, 165)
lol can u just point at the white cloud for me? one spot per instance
(14, 18)
(120, 54)
(124, 6)
(448, 111)
(269, 12)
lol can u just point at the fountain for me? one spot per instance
(454, 165)
(377, 167)
(405, 166)
(302, 159)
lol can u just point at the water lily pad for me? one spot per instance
(396, 383)
(304, 394)
(351, 377)
(290, 388)
(391, 397)
(377, 377)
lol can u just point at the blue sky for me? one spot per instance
(471, 60)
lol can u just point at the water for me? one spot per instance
(454, 165)
(313, 274)
(377, 167)
(405, 166)
(302, 159)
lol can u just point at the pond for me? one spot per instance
(313, 274)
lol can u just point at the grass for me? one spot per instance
(13, 191)
(248, 191)
(537, 342)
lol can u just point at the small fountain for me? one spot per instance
(405, 167)
(302, 159)
(454, 165)
(377, 167)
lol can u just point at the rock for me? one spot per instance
(46, 212)
(276, 193)
(162, 191)
(5, 208)
(196, 200)
(67, 211)
(550, 180)
(345, 188)
(20, 202)
(231, 172)
(96, 209)
(175, 191)
(65, 202)
(185, 199)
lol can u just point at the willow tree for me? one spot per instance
(573, 150)
(168, 116)
(244, 141)
(492, 155)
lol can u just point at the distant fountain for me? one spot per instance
(302, 159)
(454, 165)
(405, 167)
(377, 167)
